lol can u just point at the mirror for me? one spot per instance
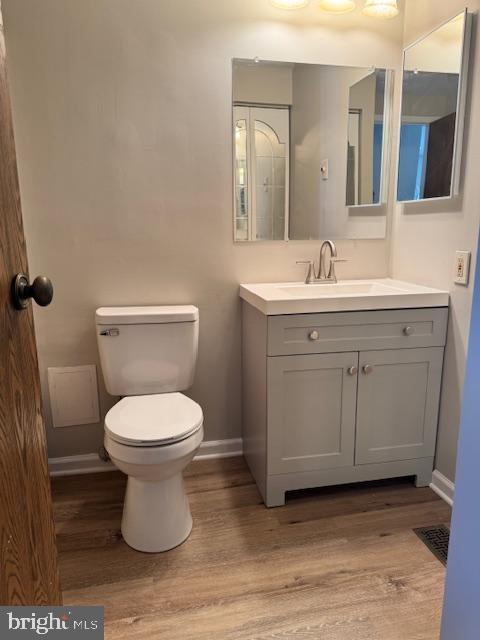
(433, 104)
(310, 150)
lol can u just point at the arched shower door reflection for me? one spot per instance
(261, 143)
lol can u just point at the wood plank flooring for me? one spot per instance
(334, 564)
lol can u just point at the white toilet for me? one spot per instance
(148, 355)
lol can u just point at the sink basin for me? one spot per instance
(340, 289)
(352, 295)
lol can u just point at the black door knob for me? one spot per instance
(41, 290)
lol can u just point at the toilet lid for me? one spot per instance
(153, 420)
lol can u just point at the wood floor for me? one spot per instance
(334, 564)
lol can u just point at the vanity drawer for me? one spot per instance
(357, 331)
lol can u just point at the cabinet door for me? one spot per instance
(397, 410)
(311, 412)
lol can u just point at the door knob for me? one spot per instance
(367, 369)
(41, 290)
(352, 371)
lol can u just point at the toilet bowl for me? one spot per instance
(152, 439)
(148, 356)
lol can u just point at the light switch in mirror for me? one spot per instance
(311, 149)
(435, 74)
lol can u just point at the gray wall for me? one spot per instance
(122, 116)
(426, 235)
(123, 126)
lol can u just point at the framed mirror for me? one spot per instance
(435, 73)
(310, 150)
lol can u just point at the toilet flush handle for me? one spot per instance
(111, 333)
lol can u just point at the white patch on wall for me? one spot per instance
(73, 395)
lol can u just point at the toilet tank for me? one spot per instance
(147, 350)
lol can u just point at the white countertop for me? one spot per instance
(284, 298)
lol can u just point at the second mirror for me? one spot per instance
(433, 103)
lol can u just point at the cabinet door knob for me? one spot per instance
(313, 335)
(367, 369)
(408, 331)
(352, 371)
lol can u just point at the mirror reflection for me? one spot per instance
(261, 161)
(431, 87)
(365, 139)
(309, 146)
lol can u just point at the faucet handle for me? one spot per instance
(311, 270)
(331, 272)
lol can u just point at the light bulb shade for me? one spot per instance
(381, 8)
(337, 6)
(290, 4)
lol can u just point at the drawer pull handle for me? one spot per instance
(367, 369)
(313, 335)
(408, 331)
(352, 371)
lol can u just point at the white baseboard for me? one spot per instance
(91, 463)
(220, 449)
(77, 465)
(443, 487)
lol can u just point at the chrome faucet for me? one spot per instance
(321, 276)
(322, 268)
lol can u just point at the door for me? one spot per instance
(397, 409)
(441, 145)
(262, 151)
(461, 614)
(311, 412)
(28, 557)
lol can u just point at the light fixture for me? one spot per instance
(381, 8)
(290, 4)
(337, 6)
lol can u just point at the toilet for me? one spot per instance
(148, 356)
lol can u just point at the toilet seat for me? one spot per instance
(153, 420)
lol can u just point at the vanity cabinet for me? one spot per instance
(311, 412)
(397, 404)
(334, 398)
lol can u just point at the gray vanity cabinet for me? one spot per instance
(397, 410)
(340, 397)
(311, 412)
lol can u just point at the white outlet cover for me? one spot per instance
(462, 258)
(73, 395)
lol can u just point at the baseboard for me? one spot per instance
(443, 487)
(78, 465)
(220, 449)
(91, 463)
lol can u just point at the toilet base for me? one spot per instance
(156, 515)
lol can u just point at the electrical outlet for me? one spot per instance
(462, 267)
